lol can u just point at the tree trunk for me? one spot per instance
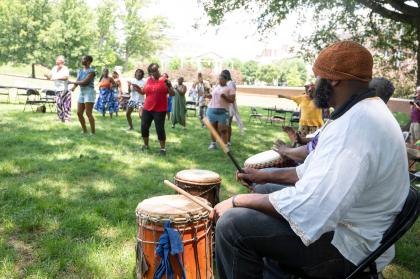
(418, 54)
(33, 70)
(126, 61)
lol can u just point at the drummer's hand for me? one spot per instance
(252, 175)
(280, 147)
(220, 208)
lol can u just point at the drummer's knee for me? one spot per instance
(227, 226)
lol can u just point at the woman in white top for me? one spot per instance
(233, 108)
(60, 74)
(136, 96)
(218, 109)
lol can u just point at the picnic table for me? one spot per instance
(277, 114)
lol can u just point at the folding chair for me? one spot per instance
(255, 115)
(33, 98)
(295, 118)
(190, 105)
(49, 98)
(403, 222)
(5, 91)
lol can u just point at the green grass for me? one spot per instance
(67, 201)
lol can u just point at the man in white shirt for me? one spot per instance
(60, 75)
(345, 195)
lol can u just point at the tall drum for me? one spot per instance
(202, 183)
(192, 223)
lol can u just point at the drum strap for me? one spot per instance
(197, 262)
(141, 267)
(169, 243)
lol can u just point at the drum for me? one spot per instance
(266, 159)
(194, 227)
(202, 183)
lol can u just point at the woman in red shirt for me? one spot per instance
(155, 106)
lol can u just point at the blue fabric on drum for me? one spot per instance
(169, 242)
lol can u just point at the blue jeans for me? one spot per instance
(250, 243)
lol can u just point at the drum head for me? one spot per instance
(195, 176)
(269, 157)
(175, 208)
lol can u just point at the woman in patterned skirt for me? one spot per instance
(105, 100)
(135, 87)
(60, 74)
(117, 90)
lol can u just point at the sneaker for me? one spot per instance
(129, 129)
(228, 144)
(212, 146)
(144, 148)
(162, 152)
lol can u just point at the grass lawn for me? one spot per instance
(67, 201)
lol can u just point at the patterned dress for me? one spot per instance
(106, 100)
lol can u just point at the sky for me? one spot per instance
(236, 37)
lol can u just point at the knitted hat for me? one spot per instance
(344, 60)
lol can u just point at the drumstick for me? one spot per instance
(225, 149)
(188, 195)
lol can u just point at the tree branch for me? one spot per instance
(403, 8)
(377, 8)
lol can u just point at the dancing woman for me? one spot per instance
(135, 87)
(85, 79)
(106, 95)
(60, 74)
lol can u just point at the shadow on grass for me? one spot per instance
(70, 199)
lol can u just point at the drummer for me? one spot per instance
(346, 194)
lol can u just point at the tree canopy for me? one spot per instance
(391, 28)
(36, 31)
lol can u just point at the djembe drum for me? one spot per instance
(266, 159)
(192, 223)
(202, 183)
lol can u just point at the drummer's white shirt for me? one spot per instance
(354, 183)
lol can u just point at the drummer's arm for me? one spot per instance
(279, 176)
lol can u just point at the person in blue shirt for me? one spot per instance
(85, 79)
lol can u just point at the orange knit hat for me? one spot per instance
(344, 60)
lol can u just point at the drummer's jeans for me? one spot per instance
(249, 241)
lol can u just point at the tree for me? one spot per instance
(175, 64)
(292, 71)
(105, 54)
(141, 37)
(249, 71)
(71, 33)
(348, 14)
(267, 74)
(20, 22)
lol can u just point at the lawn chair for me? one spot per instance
(255, 115)
(403, 222)
(49, 98)
(190, 105)
(33, 98)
